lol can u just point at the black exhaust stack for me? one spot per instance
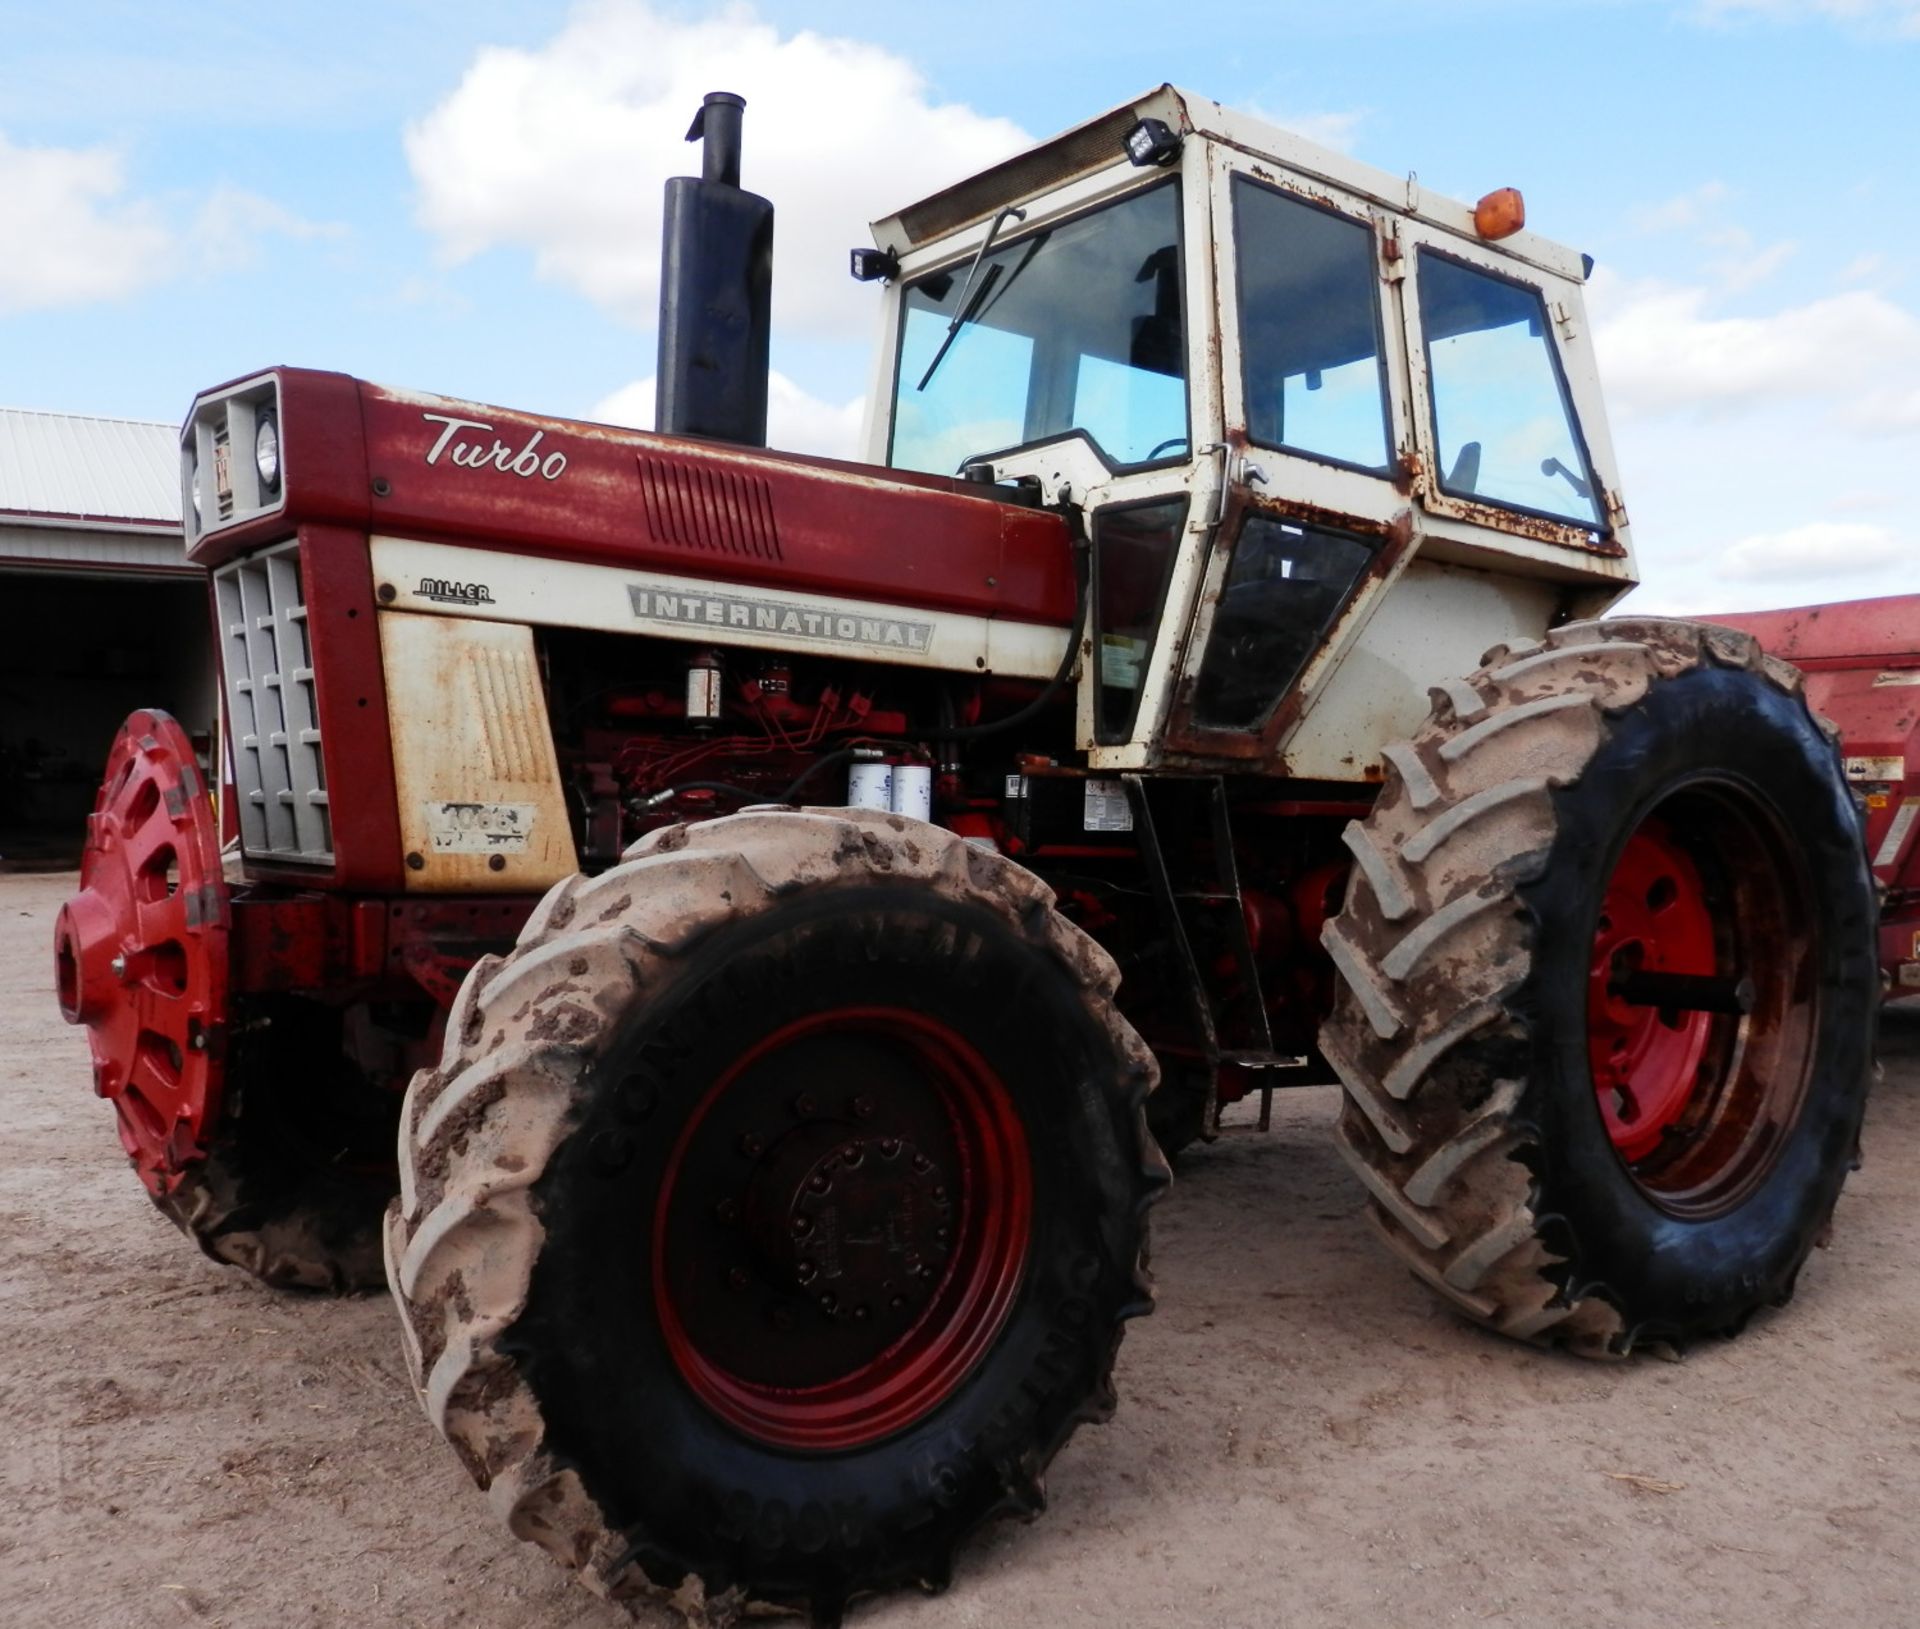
(716, 292)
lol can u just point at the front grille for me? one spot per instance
(273, 727)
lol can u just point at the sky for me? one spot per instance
(464, 198)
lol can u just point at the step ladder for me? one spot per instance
(1185, 836)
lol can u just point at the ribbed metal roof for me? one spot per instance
(69, 466)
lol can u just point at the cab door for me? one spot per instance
(1316, 519)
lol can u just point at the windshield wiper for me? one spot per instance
(963, 309)
(1553, 466)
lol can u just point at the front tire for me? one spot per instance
(298, 1171)
(771, 1219)
(1591, 846)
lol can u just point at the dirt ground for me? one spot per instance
(1304, 1439)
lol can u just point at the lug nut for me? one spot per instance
(921, 1164)
(829, 1302)
(863, 1107)
(807, 1272)
(898, 1303)
(752, 1145)
(727, 1211)
(889, 1147)
(806, 1103)
(802, 1226)
(853, 1154)
(862, 1313)
(820, 1182)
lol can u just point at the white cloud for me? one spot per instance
(1663, 349)
(563, 150)
(229, 224)
(1863, 268)
(1683, 211)
(796, 421)
(1815, 551)
(1750, 267)
(1900, 17)
(73, 237)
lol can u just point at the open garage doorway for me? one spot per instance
(78, 652)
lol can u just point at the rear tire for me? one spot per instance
(1560, 1163)
(772, 1217)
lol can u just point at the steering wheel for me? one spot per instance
(1166, 446)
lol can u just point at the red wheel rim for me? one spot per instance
(140, 953)
(1646, 1060)
(1703, 997)
(843, 1228)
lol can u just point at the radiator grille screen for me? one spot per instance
(272, 725)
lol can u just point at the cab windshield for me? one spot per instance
(1078, 326)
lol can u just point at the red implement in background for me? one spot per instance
(1862, 662)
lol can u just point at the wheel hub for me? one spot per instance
(863, 1231)
(828, 1263)
(1646, 1059)
(140, 953)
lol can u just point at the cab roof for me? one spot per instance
(1097, 145)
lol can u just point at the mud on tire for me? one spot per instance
(1560, 1164)
(599, 1324)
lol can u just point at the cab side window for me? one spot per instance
(1503, 423)
(1314, 377)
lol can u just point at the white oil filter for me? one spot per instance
(870, 786)
(913, 791)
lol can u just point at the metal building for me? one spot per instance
(99, 613)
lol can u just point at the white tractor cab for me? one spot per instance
(1333, 435)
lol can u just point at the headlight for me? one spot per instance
(266, 452)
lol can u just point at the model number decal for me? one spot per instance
(526, 463)
(772, 616)
(479, 828)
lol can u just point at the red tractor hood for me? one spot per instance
(397, 463)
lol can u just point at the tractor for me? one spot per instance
(781, 909)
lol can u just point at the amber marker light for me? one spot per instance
(1500, 214)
